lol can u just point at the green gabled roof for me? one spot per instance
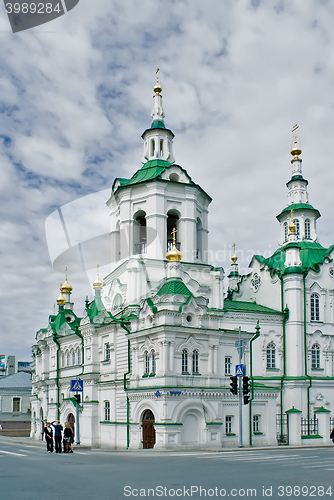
(58, 320)
(296, 207)
(238, 305)
(174, 287)
(95, 307)
(312, 255)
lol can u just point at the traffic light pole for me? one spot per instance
(240, 393)
(77, 422)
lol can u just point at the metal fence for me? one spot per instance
(282, 429)
(309, 426)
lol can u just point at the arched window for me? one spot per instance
(139, 233)
(271, 355)
(315, 307)
(307, 229)
(286, 231)
(78, 356)
(63, 360)
(106, 411)
(152, 147)
(73, 357)
(195, 361)
(152, 362)
(67, 359)
(172, 222)
(296, 223)
(161, 147)
(315, 350)
(147, 363)
(184, 361)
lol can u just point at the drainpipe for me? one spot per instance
(305, 357)
(57, 375)
(257, 334)
(122, 324)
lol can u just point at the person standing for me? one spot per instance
(48, 432)
(68, 438)
(58, 430)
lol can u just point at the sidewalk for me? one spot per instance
(28, 441)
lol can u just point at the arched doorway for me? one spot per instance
(71, 421)
(148, 429)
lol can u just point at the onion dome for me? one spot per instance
(98, 283)
(61, 299)
(174, 253)
(66, 287)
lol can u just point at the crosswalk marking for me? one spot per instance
(12, 453)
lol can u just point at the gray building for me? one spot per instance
(15, 393)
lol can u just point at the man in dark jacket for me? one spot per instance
(58, 430)
(48, 432)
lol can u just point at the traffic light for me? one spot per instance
(245, 389)
(234, 385)
(245, 385)
(77, 398)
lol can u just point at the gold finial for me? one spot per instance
(98, 283)
(295, 151)
(157, 87)
(174, 253)
(66, 287)
(61, 299)
(292, 225)
(234, 257)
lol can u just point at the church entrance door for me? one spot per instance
(71, 421)
(148, 429)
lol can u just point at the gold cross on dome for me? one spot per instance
(294, 130)
(173, 234)
(157, 73)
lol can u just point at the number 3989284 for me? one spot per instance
(32, 8)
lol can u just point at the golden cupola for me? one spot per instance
(98, 283)
(66, 287)
(61, 299)
(174, 254)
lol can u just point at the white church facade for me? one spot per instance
(156, 346)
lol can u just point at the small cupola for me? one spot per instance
(158, 140)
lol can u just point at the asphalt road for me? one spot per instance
(27, 472)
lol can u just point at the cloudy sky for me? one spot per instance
(76, 95)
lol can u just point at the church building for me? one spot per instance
(159, 341)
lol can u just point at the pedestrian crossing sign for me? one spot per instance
(239, 370)
(77, 385)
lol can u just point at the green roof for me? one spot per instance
(174, 287)
(158, 124)
(58, 320)
(312, 255)
(238, 305)
(298, 206)
(95, 307)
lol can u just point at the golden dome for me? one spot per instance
(295, 151)
(174, 254)
(66, 287)
(234, 258)
(98, 283)
(61, 299)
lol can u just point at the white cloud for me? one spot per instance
(76, 94)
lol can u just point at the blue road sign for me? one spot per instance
(239, 370)
(77, 385)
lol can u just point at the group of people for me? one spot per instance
(55, 430)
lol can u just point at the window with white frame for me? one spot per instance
(195, 361)
(73, 358)
(228, 424)
(315, 307)
(106, 411)
(78, 356)
(307, 229)
(63, 360)
(153, 362)
(106, 351)
(315, 352)
(184, 361)
(68, 359)
(16, 404)
(228, 365)
(256, 423)
(271, 355)
(147, 363)
(296, 223)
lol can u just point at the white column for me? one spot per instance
(171, 356)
